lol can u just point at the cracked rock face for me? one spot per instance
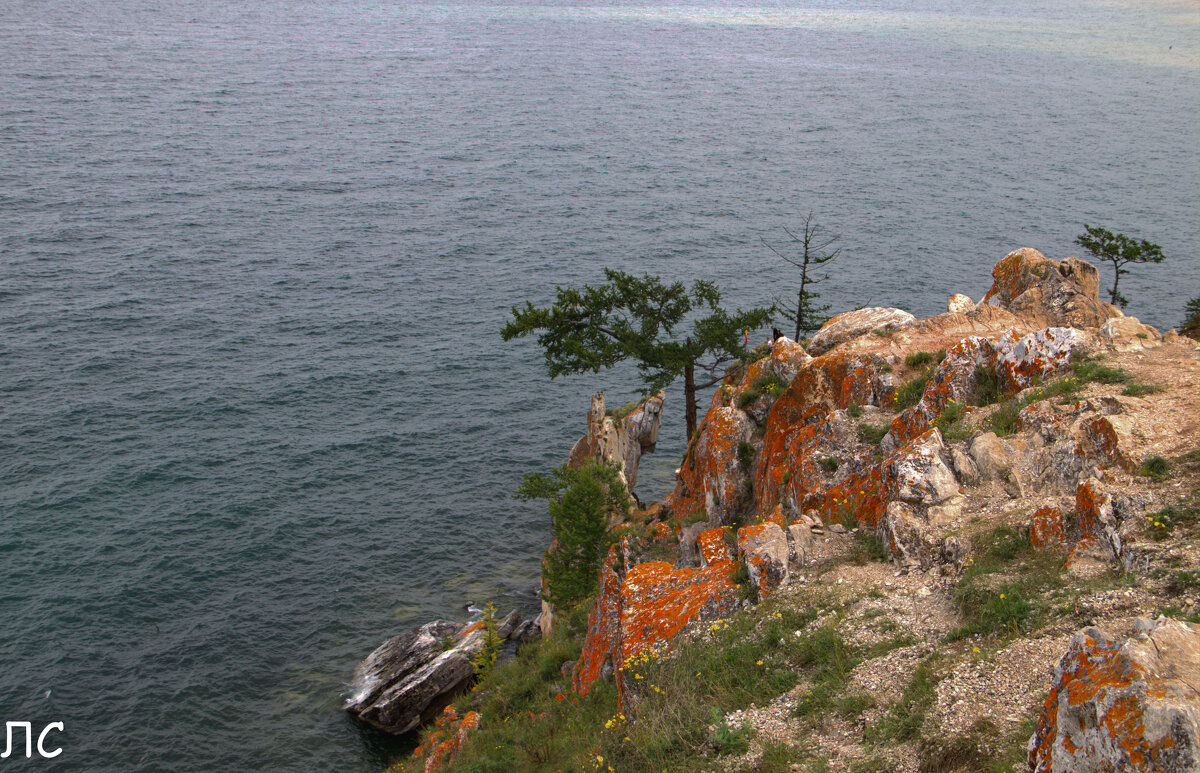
(1124, 704)
(410, 678)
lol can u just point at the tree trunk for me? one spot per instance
(689, 395)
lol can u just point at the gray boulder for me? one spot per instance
(410, 678)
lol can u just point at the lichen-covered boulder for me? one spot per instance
(1047, 529)
(852, 324)
(1018, 360)
(1049, 292)
(1023, 360)
(920, 474)
(991, 456)
(712, 479)
(1123, 704)
(1128, 334)
(644, 611)
(1102, 441)
(960, 304)
(763, 548)
(714, 549)
(604, 624)
(787, 358)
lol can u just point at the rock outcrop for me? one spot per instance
(1124, 704)
(852, 324)
(961, 549)
(621, 440)
(1049, 292)
(643, 611)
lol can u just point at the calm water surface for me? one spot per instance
(255, 415)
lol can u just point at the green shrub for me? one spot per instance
(770, 384)
(1087, 369)
(485, 659)
(855, 410)
(616, 414)
(1006, 418)
(1155, 467)
(748, 397)
(1183, 582)
(917, 359)
(909, 394)
(871, 434)
(729, 740)
(745, 454)
(1136, 389)
(868, 547)
(1191, 319)
(951, 422)
(987, 386)
(829, 464)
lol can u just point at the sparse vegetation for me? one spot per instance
(868, 546)
(829, 464)
(917, 359)
(1137, 389)
(987, 386)
(904, 721)
(872, 434)
(855, 410)
(1155, 467)
(909, 393)
(745, 454)
(951, 422)
(999, 606)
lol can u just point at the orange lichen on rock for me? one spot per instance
(1100, 441)
(953, 380)
(658, 601)
(711, 479)
(603, 632)
(714, 548)
(1047, 530)
(444, 752)
(1127, 705)
(1047, 291)
(763, 548)
(1091, 506)
(646, 610)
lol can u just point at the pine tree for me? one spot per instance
(582, 502)
(634, 318)
(1119, 250)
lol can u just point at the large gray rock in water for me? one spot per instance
(852, 324)
(1130, 705)
(410, 678)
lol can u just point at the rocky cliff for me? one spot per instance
(965, 542)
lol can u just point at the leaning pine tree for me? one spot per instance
(632, 318)
(1120, 250)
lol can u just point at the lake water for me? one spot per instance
(255, 413)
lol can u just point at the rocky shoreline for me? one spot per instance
(994, 511)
